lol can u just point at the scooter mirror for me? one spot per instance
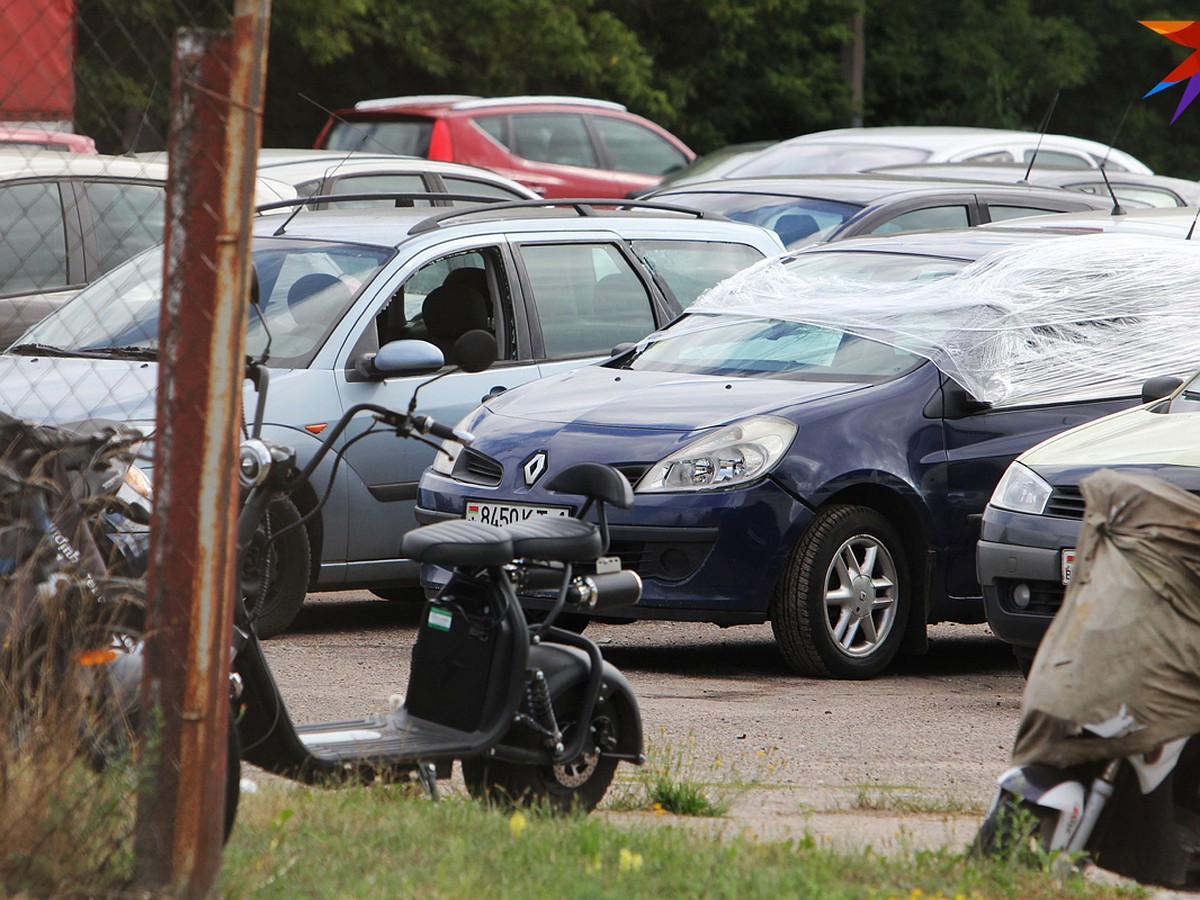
(475, 350)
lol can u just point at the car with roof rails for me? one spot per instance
(843, 150)
(26, 138)
(69, 218)
(806, 209)
(557, 146)
(813, 442)
(1136, 188)
(558, 283)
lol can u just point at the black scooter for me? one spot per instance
(532, 711)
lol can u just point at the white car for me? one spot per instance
(860, 149)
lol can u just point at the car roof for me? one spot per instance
(15, 163)
(864, 188)
(387, 226)
(45, 139)
(470, 102)
(1175, 221)
(950, 243)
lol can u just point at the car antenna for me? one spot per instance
(333, 115)
(1041, 134)
(1117, 209)
(1192, 230)
(137, 135)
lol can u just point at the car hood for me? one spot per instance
(48, 389)
(1134, 437)
(601, 397)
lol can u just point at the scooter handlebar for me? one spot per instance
(427, 425)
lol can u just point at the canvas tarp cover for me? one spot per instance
(1118, 671)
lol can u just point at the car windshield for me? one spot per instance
(405, 136)
(769, 348)
(802, 158)
(305, 287)
(797, 220)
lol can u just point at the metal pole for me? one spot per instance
(215, 125)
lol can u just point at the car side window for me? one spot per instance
(634, 148)
(557, 138)
(33, 242)
(931, 217)
(1003, 212)
(689, 268)
(448, 297)
(457, 185)
(1059, 158)
(588, 298)
(377, 182)
(126, 219)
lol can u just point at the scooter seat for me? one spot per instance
(457, 542)
(559, 539)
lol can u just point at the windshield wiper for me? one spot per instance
(40, 350)
(147, 353)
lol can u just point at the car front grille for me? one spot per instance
(475, 468)
(1066, 502)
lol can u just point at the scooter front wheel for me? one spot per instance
(1014, 828)
(576, 786)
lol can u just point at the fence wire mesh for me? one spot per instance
(87, 109)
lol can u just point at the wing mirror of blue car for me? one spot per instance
(400, 358)
(1160, 387)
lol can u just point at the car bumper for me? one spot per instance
(1019, 563)
(709, 556)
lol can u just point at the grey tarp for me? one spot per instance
(1118, 671)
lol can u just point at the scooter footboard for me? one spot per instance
(567, 667)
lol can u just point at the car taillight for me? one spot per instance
(440, 145)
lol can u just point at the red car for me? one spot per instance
(558, 146)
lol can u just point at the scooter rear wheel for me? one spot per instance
(576, 786)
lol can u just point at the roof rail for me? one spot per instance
(586, 207)
(398, 196)
(481, 102)
(413, 100)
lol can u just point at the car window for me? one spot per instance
(448, 297)
(405, 136)
(991, 156)
(588, 298)
(376, 182)
(806, 158)
(689, 268)
(931, 217)
(797, 220)
(634, 148)
(1001, 212)
(457, 185)
(126, 219)
(1150, 196)
(557, 138)
(33, 242)
(1058, 158)
(496, 127)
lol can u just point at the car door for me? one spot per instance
(424, 300)
(980, 444)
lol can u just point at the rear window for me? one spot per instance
(797, 220)
(405, 136)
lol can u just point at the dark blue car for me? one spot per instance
(828, 478)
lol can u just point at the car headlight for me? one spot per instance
(737, 454)
(1022, 490)
(447, 456)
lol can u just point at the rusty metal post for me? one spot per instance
(215, 127)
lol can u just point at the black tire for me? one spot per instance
(280, 551)
(843, 603)
(1014, 830)
(578, 787)
(233, 776)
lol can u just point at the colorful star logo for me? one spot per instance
(1187, 34)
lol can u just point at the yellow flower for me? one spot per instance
(517, 823)
(658, 809)
(629, 861)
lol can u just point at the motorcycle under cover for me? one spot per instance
(1118, 671)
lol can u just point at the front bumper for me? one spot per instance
(708, 556)
(1019, 553)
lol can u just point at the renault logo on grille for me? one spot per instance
(535, 467)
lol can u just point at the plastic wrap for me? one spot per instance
(1050, 321)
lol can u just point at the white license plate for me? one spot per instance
(1068, 565)
(508, 513)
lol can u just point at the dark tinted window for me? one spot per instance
(33, 242)
(367, 184)
(126, 219)
(1002, 213)
(456, 185)
(408, 137)
(633, 148)
(556, 138)
(933, 217)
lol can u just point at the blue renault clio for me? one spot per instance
(813, 443)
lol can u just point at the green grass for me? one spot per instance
(900, 799)
(381, 842)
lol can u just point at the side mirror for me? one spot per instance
(1160, 387)
(621, 348)
(400, 358)
(954, 401)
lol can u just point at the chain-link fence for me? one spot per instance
(123, 370)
